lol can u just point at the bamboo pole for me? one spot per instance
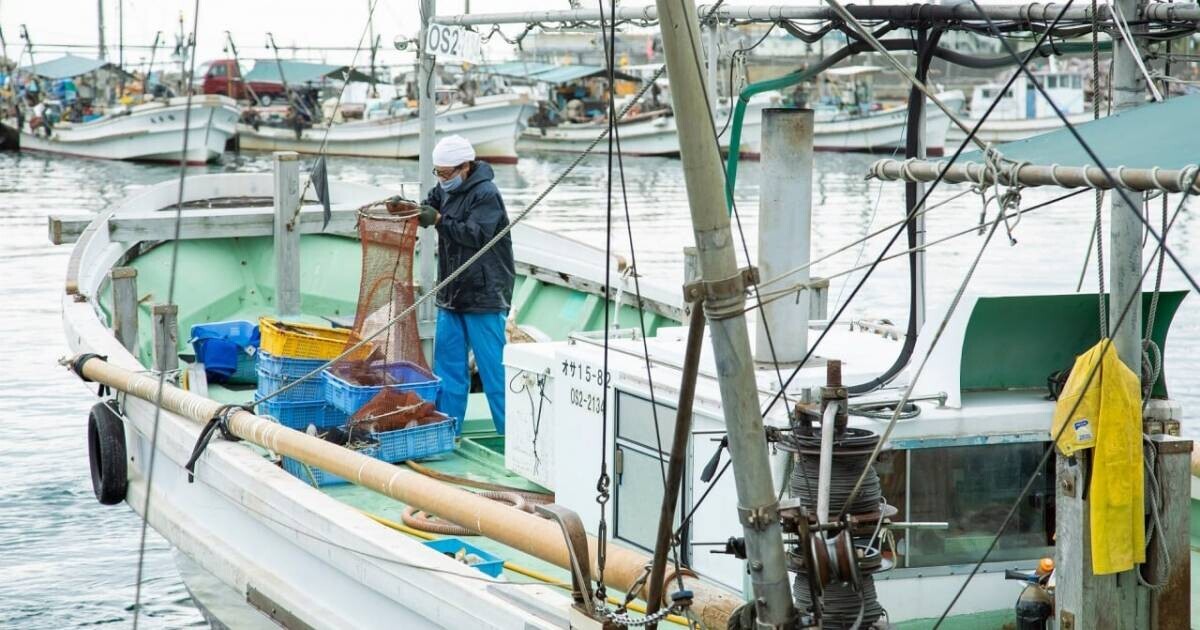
(520, 530)
(1136, 179)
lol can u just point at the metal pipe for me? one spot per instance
(522, 531)
(784, 230)
(427, 110)
(825, 470)
(1125, 259)
(100, 26)
(1135, 179)
(678, 461)
(1027, 13)
(758, 508)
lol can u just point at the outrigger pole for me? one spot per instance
(1033, 12)
(723, 289)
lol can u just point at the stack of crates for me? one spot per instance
(403, 444)
(287, 353)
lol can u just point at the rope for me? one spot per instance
(474, 257)
(426, 522)
(162, 377)
(336, 103)
(1107, 342)
(219, 421)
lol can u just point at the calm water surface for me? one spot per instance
(66, 561)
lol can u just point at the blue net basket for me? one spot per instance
(408, 376)
(284, 367)
(308, 390)
(318, 477)
(298, 415)
(417, 442)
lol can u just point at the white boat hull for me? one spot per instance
(149, 132)
(284, 549)
(998, 131)
(491, 125)
(875, 133)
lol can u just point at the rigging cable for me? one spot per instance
(637, 288)
(1106, 342)
(1109, 176)
(162, 375)
(603, 480)
(336, 104)
(896, 235)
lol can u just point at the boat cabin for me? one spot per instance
(1022, 101)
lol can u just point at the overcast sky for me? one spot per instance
(294, 22)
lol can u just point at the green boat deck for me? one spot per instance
(234, 279)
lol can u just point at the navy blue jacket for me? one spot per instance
(471, 215)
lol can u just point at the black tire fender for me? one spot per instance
(106, 454)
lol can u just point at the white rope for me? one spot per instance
(1123, 29)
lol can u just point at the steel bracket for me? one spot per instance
(731, 287)
(759, 518)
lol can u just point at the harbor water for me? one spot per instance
(66, 561)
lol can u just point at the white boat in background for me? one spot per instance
(150, 132)
(1022, 112)
(841, 126)
(492, 125)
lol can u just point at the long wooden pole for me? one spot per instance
(520, 530)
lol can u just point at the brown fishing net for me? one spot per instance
(395, 356)
(386, 290)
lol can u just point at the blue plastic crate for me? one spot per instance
(306, 391)
(298, 415)
(317, 477)
(417, 442)
(409, 377)
(227, 350)
(283, 367)
(489, 564)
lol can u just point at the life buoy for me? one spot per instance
(106, 453)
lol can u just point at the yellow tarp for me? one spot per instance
(1108, 420)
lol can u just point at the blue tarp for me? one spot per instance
(1157, 134)
(300, 72)
(220, 345)
(66, 67)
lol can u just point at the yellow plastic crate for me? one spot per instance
(304, 341)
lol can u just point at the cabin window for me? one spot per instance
(217, 71)
(1077, 82)
(986, 93)
(1052, 81)
(971, 488)
(638, 466)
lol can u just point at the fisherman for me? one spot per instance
(467, 211)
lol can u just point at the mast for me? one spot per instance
(100, 26)
(121, 48)
(723, 290)
(427, 237)
(1085, 599)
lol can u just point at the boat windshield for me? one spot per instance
(971, 488)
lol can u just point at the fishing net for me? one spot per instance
(394, 356)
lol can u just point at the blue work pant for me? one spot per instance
(484, 334)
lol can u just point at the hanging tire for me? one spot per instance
(106, 453)
(265, 100)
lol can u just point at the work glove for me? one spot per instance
(428, 216)
(399, 205)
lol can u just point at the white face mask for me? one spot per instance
(449, 185)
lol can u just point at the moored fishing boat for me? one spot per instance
(1021, 112)
(492, 125)
(152, 131)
